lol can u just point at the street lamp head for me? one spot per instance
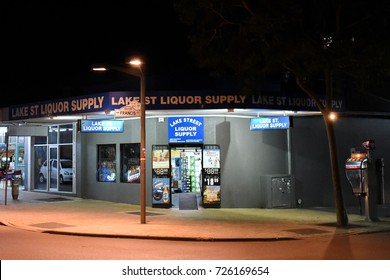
(99, 69)
(136, 62)
(332, 116)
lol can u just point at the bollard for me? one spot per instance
(15, 189)
(15, 184)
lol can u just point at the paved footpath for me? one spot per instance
(56, 214)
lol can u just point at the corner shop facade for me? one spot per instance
(257, 168)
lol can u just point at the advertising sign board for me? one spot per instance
(266, 123)
(101, 126)
(185, 130)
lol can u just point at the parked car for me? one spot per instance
(65, 170)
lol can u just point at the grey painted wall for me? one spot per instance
(118, 192)
(245, 157)
(310, 155)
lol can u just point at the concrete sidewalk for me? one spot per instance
(57, 214)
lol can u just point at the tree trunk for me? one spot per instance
(342, 218)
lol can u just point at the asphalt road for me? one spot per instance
(19, 244)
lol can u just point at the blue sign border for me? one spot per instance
(185, 130)
(101, 126)
(270, 123)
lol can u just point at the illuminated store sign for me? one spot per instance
(101, 126)
(270, 123)
(185, 130)
(121, 101)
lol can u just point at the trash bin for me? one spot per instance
(16, 176)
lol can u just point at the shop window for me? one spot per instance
(66, 133)
(20, 159)
(130, 163)
(10, 162)
(40, 156)
(106, 163)
(53, 134)
(39, 140)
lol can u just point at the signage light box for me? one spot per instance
(101, 126)
(185, 130)
(267, 123)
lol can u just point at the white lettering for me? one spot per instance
(191, 134)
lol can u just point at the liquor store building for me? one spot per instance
(227, 150)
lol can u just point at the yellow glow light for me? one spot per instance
(99, 69)
(332, 116)
(135, 62)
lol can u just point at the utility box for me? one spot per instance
(277, 191)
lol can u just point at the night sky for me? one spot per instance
(48, 47)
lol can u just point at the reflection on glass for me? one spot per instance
(130, 163)
(40, 156)
(106, 163)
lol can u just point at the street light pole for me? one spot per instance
(138, 64)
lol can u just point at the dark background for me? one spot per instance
(48, 47)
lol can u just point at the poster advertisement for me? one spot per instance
(161, 192)
(212, 194)
(130, 163)
(211, 158)
(133, 174)
(106, 169)
(160, 158)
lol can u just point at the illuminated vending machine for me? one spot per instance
(356, 172)
(211, 189)
(161, 191)
(361, 175)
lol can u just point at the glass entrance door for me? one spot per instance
(53, 168)
(186, 168)
(53, 159)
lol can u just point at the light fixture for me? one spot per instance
(138, 72)
(101, 69)
(332, 116)
(137, 63)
